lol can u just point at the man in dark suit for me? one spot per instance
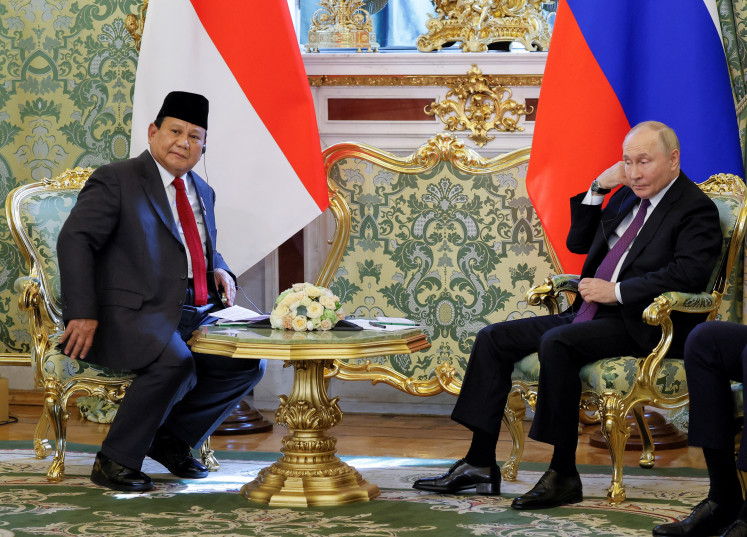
(139, 272)
(658, 232)
(715, 354)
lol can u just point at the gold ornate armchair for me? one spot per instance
(615, 387)
(35, 214)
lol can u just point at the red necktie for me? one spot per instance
(194, 244)
(607, 266)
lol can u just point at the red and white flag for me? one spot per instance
(263, 153)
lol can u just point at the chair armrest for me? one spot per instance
(30, 291)
(664, 304)
(547, 292)
(658, 313)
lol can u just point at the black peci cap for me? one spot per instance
(189, 107)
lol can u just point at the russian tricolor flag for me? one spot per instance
(612, 65)
(263, 155)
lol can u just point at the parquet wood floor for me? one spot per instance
(370, 434)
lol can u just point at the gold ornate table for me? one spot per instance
(309, 473)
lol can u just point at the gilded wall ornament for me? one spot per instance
(479, 107)
(475, 24)
(341, 24)
(135, 24)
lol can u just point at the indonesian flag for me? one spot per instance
(263, 154)
(612, 65)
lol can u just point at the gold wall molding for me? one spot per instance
(417, 80)
(475, 24)
(478, 106)
(135, 24)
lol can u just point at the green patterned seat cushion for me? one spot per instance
(611, 374)
(452, 250)
(62, 367)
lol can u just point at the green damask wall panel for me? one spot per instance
(67, 74)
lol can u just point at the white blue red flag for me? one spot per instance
(263, 153)
(612, 65)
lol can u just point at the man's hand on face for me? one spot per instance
(597, 290)
(78, 337)
(613, 176)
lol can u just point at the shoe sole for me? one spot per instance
(103, 482)
(483, 489)
(568, 501)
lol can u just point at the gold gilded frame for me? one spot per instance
(612, 406)
(443, 147)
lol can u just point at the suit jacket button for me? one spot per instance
(184, 276)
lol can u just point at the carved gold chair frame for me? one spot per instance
(35, 234)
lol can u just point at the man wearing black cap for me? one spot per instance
(139, 272)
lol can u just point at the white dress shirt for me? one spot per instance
(194, 202)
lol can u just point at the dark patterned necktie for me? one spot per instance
(194, 244)
(607, 266)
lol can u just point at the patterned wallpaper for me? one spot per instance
(67, 73)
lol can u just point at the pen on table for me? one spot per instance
(398, 324)
(377, 325)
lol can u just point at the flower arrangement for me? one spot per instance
(306, 307)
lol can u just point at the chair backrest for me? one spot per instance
(728, 193)
(35, 214)
(442, 237)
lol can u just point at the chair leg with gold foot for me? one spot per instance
(513, 418)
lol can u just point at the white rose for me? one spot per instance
(281, 310)
(299, 323)
(289, 299)
(313, 291)
(325, 324)
(306, 301)
(309, 325)
(314, 310)
(298, 286)
(327, 302)
(276, 321)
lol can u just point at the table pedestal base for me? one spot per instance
(309, 473)
(275, 487)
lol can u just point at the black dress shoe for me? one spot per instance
(176, 455)
(463, 476)
(111, 474)
(707, 518)
(551, 490)
(737, 529)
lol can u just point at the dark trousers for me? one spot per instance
(188, 394)
(564, 348)
(715, 354)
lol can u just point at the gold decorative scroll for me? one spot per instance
(341, 24)
(479, 107)
(475, 24)
(135, 24)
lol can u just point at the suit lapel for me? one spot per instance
(153, 187)
(655, 219)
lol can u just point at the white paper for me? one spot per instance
(235, 313)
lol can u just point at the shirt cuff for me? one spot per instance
(617, 293)
(591, 199)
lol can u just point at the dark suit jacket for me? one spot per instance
(675, 250)
(122, 262)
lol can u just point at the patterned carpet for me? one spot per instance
(30, 506)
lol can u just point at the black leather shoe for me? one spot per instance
(111, 474)
(176, 455)
(707, 518)
(463, 476)
(737, 529)
(551, 490)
